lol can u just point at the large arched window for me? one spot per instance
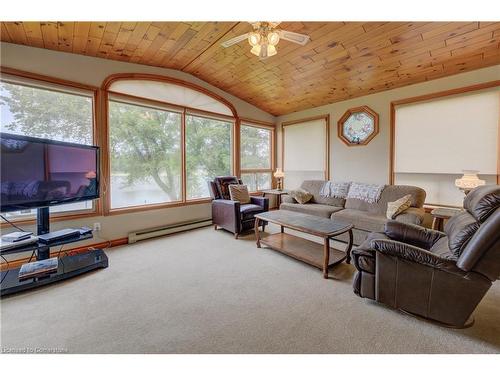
(167, 139)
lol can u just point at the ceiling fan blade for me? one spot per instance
(235, 40)
(294, 37)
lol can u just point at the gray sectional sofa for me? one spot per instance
(365, 217)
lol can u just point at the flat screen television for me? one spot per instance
(39, 172)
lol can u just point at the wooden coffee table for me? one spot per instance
(317, 255)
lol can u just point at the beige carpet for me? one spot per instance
(204, 292)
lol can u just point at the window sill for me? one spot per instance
(53, 218)
(127, 210)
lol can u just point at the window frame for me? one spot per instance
(272, 150)
(62, 86)
(106, 92)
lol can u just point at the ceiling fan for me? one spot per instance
(264, 38)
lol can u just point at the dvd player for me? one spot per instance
(8, 245)
(58, 235)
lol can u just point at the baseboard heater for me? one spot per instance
(168, 229)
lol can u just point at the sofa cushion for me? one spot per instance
(316, 209)
(249, 210)
(314, 187)
(482, 201)
(460, 229)
(361, 219)
(389, 194)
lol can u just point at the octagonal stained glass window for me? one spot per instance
(358, 126)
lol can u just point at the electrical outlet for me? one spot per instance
(97, 227)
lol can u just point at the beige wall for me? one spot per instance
(370, 163)
(92, 71)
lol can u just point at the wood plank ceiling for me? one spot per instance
(343, 60)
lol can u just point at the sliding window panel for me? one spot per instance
(208, 153)
(47, 111)
(435, 141)
(305, 152)
(145, 155)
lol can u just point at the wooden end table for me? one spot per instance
(440, 214)
(276, 192)
(315, 254)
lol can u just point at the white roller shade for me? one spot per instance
(448, 135)
(436, 141)
(304, 152)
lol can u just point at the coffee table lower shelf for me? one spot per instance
(301, 249)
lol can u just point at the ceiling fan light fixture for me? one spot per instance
(263, 51)
(273, 38)
(265, 37)
(271, 50)
(254, 39)
(256, 50)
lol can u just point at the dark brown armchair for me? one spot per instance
(438, 276)
(232, 215)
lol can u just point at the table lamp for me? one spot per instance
(468, 181)
(279, 175)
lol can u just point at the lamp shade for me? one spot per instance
(279, 173)
(468, 181)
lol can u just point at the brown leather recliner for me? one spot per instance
(232, 215)
(435, 275)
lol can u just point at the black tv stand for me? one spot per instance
(69, 265)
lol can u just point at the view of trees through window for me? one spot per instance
(208, 153)
(255, 148)
(46, 113)
(145, 155)
(256, 157)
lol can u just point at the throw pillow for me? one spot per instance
(223, 183)
(239, 193)
(398, 206)
(300, 195)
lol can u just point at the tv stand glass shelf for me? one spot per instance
(68, 265)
